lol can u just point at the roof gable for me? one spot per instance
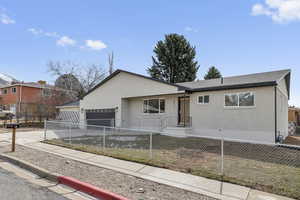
(179, 87)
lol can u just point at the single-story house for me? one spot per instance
(69, 112)
(250, 107)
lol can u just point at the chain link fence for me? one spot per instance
(270, 167)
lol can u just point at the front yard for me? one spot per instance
(267, 168)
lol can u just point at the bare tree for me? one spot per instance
(111, 62)
(75, 77)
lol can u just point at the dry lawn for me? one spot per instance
(266, 176)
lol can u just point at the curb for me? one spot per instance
(69, 181)
(89, 189)
(32, 168)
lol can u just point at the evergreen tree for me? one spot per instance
(212, 73)
(174, 60)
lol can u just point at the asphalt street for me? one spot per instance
(13, 187)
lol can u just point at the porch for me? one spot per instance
(169, 114)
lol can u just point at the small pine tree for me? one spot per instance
(212, 73)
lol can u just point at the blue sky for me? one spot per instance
(238, 37)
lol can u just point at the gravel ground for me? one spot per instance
(125, 185)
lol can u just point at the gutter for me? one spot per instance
(67, 106)
(236, 86)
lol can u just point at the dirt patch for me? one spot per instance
(293, 140)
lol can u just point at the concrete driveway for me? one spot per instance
(23, 137)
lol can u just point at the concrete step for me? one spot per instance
(177, 131)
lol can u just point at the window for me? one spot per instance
(4, 91)
(203, 99)
(154, 106)
(46, 92)
(245, 99)
(13, 90)
(231, 100)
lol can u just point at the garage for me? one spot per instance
(101, 117)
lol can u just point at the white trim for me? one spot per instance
(238, 106)
(203, 99)
(283, 76)
(281, 91)
(158, 106)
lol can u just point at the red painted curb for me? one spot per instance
(89, 189)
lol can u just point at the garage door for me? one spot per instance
(101, 117)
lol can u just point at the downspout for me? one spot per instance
(275, 111)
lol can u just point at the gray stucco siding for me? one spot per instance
(253, 123)
(136, 118)
(282, 109)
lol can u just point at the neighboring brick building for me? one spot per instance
(31, 99)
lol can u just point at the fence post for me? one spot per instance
(222, 156)
(222, 161)
(45, 129)
(151, 141)
(13, 142)
(104, 133)
(87, 130)
(70, 137)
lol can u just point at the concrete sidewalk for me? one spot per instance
(188, 182)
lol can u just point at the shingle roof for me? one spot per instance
(267, 78)
(30, 84)
(233, 82)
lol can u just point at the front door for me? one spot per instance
(183, 111)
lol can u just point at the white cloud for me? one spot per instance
(35, 31)
(51, 34)
(5, 19)
(44, 33)
(65, 41)
(190, 29)
(281, 11)
(95, 44)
